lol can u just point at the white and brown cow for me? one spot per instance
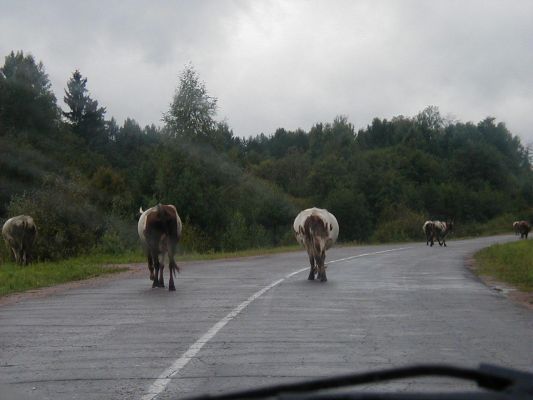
(317, 230)
(19, 233)
(516, 228)
(429, 231)
(441, 229)
(159, 228)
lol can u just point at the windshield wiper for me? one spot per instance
(504, 383)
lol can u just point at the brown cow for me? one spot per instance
(159, 228)
(19, 233)
(523, 228)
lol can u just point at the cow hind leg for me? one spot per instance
(151, 267)
(161, 278)
(155, 260)
(322, 269)
(172, 267)
(312, 270)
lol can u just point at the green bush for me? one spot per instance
(399, 224)
(65, 227)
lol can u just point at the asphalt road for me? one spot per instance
(243, 323)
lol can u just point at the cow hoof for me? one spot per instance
(311, 277)
(171, 288)
(323, 279)
(154, 285)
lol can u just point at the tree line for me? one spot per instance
(83, 177)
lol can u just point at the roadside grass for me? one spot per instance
(16, 279)
(510, 263)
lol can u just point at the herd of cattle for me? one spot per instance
(160, 229)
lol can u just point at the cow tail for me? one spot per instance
(174, 268)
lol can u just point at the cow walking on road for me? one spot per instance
(523, 228)
(516, 228)
(19, 234)
(442, 229)
(429, 231)
(317, 230)
(159, 229)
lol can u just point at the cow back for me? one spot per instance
(321, 220)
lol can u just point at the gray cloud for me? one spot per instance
(290, 63)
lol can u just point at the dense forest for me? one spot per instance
(83, 177)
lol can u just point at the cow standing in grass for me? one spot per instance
(317, 230)
(19, 233)
(159, 228)
(523, 228)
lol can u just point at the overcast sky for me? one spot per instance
(289, 63)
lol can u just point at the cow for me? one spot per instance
(429, 231)
(317, 230)
(441, 229)
(515, 228)
(19, 234)
(159, 229)
(523, 228)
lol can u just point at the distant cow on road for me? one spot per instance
(516, 227)
(19, 233)
(429, 231)
(441, 230)
(523, 228)
(159, 229)
(317, 230)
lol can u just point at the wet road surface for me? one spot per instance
(244, 323)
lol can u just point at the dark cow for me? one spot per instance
(159, 228)
(317, 230)
(441, 229)
(523, 228)
(19, 233)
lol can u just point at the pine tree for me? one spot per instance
(26, 97)
(85, 116)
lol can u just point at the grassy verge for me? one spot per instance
(14, 278)
(511, 263)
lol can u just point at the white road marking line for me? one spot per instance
(367, 254)
(164, 379)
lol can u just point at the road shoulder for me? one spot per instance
(525, 299)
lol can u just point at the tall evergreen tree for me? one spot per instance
(26, 97)
(85, 116)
